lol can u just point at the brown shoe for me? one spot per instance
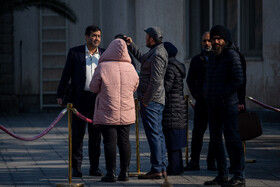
(151, 175)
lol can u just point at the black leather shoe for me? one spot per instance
(235, 182)
(109, 178)
(151, 175)
(219, 180)
(76, 172)
(123, 176)
(95, 172)
(192, 166)
(231, 170)
(211, 167)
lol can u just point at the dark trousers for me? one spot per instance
(86, 108)
(113, 136)
(175, 162)
(224, 120)
(199, 128)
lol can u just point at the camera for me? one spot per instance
(121, 36)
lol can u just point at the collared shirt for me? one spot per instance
(91, 64)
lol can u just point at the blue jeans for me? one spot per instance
(224, 119)
(152, 118)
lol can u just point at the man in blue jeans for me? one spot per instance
(151, 94)
(224, 76)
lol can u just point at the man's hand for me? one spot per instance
(59, 101)
(128, 40)
(241, 107)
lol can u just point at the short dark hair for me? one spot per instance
(91, 28)
(119, 36)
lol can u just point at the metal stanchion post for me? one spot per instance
(70, 106)
(247, 161)
(187, 148)
(137, 140)
(70, 184)
(137, 136)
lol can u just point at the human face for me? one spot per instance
(218, 44)
(149, 41)
(206, 42)
(94, 39)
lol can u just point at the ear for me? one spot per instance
(152, 41)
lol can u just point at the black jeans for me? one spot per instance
(113, 136)
(223, 119)
(199, 128)
(86, 108)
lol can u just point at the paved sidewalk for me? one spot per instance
(44, 162)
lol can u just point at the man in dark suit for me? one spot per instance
(79, 67)
(195, 80)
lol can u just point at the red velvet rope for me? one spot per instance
(262, 104)
(191, 103)
(62, 113)
(81, 116)
(251, 99)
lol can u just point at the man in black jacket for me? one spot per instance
(224, 76)
(195, 80)
(80, 64)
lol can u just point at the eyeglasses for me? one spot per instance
(206, 41)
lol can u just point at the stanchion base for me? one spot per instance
(251, 161)
(70, 185)
(135, 174)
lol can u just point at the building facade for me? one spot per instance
(34, 43)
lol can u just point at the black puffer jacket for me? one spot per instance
(224, 76)
(175, 111)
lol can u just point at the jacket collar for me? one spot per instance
(152, 50)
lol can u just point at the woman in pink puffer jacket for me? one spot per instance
(115, 80)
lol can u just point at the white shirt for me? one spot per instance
(91, 64)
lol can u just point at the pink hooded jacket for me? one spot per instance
(114, 80)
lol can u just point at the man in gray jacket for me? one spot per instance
(151, 95)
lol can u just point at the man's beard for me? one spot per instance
(207, 50)
(218, 49)
(148, 44)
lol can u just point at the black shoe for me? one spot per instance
(95, 172)
(172, 173)
(151, 175)
(192, 166)
(211, 167)
(231, 170)
(77, 172)
(235, 182)
(217, 181)
(109, 178)
(123, 176)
